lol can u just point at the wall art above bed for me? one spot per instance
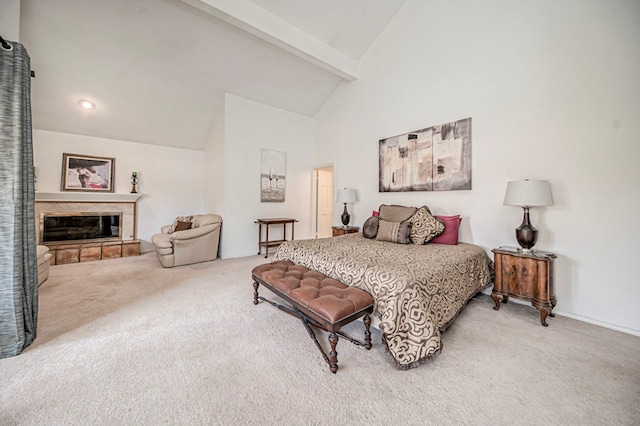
(436, 158)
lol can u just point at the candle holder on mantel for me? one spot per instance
(134, 182)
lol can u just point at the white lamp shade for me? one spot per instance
(346, 196)
(528, 193)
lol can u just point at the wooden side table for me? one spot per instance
(266, 243)
(341, 230)
(526, 276)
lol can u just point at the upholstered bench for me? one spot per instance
(317, 300)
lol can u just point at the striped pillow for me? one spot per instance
(395, 232)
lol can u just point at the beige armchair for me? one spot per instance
(194, 245)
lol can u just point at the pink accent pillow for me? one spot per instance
(451, 227)
(375, 213)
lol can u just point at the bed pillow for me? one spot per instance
(179, 219)
(451, 228)
(395, 232)
(370, 227)
(424, 227)
(396, 213)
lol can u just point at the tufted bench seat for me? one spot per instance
(317, 300)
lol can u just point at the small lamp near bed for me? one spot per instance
(346, 196)
(527, 193)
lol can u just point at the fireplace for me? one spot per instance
(79, 227)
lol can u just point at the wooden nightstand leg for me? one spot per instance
(544, 313)
(496, 299)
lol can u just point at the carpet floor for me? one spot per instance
(126, 342)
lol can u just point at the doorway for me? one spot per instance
(323, 201)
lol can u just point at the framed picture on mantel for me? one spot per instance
(87, 173)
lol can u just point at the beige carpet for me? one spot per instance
(125, 341)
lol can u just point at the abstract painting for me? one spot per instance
(436, 158)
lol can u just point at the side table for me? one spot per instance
(526, 276)
(341, 230)
(266, 243)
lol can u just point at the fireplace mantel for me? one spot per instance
(86, 202)
(97, 197)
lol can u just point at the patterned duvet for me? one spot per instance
(418, 289)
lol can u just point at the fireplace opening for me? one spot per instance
(80, 227)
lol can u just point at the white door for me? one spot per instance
(324, 202)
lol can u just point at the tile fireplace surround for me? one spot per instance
(67, 202)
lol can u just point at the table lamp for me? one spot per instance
(346, 196)
(527, 193)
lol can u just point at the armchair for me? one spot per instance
(44, 261)
(183, 247)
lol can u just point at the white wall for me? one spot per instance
(250, 127)
(553, 90)
(171, 180)
(10, 19)
(214, 165)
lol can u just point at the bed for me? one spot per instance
(418, 289)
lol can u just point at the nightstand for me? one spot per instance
(526, 276)
(341, 230)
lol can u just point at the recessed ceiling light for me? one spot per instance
(87, 104)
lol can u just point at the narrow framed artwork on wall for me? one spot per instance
(436, 158)
(87, 173)
(273, 173)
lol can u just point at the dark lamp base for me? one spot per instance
(346, 217)
(526, 234)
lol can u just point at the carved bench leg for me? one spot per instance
(255, 292)
(367, 331)
(333, 355)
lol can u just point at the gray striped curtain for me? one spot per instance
(18, 263)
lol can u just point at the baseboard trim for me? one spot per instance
(224, 255)
(604, 324)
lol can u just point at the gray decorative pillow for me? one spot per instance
(424, 227)
(395, 232)
(370, 227)
(179, 219)
(395, 213)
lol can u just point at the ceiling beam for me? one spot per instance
(255, 20)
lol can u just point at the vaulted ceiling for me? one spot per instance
(157, 70)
